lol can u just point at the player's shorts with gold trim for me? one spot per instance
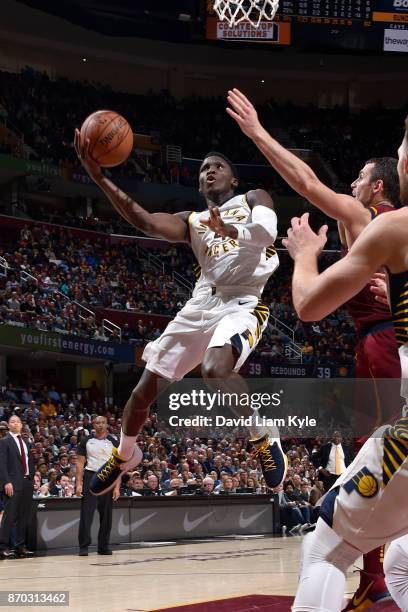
(368, 504)
(212, 317)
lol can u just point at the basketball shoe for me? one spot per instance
(372, 589)
(273, 460)
(112, 470)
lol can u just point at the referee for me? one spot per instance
(92, 452)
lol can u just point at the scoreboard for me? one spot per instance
(376, 25)
(327, 9)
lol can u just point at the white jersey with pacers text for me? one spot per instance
(223, 261)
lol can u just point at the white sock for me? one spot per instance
(126, 446)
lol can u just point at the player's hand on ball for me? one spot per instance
(302, 239)
(378, 286)
(82, 150)
(215, 223)
(244, 113)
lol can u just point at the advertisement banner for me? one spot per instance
(396, 40)
(391, 17)
(109, 351)
(272, 32)
(33, 339)
(392, 6)
(268, 31)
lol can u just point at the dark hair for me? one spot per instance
(385, 170)
(233, 167)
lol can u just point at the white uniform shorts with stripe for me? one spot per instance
(364, 506)
(233, 315)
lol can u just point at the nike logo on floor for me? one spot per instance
(190, 525)
(50, 533)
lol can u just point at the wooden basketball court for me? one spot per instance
(228, 574)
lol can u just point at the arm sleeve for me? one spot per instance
(262, 231)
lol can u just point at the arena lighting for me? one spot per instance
(184, 17)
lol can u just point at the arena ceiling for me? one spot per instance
(173, 20)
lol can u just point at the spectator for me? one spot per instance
(48, 408)
(295, 515)
(207, 486)
(332, 459)
(152, 486)
(63, 487)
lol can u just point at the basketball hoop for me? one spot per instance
(254, 11)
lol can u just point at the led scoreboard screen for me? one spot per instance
(380, 25)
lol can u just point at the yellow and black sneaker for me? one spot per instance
(112, 470)
(274, 462)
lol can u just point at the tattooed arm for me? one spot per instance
(173, 228)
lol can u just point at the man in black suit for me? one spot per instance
(17, 485)
(332, 459)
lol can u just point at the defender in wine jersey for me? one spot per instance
(224, 320)
(376, 190)
(376, 349)
(367, 505)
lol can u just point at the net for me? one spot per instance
(254, 11)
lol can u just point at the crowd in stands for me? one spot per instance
(47, 111)
(106, 226)
(186, 463)
(66, 270)
(63, 270)
(99, 274)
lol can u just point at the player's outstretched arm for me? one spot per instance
(317, 295)
(293, 170)
(173, 228)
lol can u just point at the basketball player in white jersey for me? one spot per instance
(368, 505)
(223, 321)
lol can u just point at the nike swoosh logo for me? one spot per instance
(357, 600)
(50, 533)
(245, 522)
(190, 525)
(243, 303)
(124, 529)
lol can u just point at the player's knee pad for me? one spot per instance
(327, 546)
(396, 571)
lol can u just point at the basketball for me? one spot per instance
(110, 135)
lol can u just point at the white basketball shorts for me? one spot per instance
(367, 505)
(230, 316)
